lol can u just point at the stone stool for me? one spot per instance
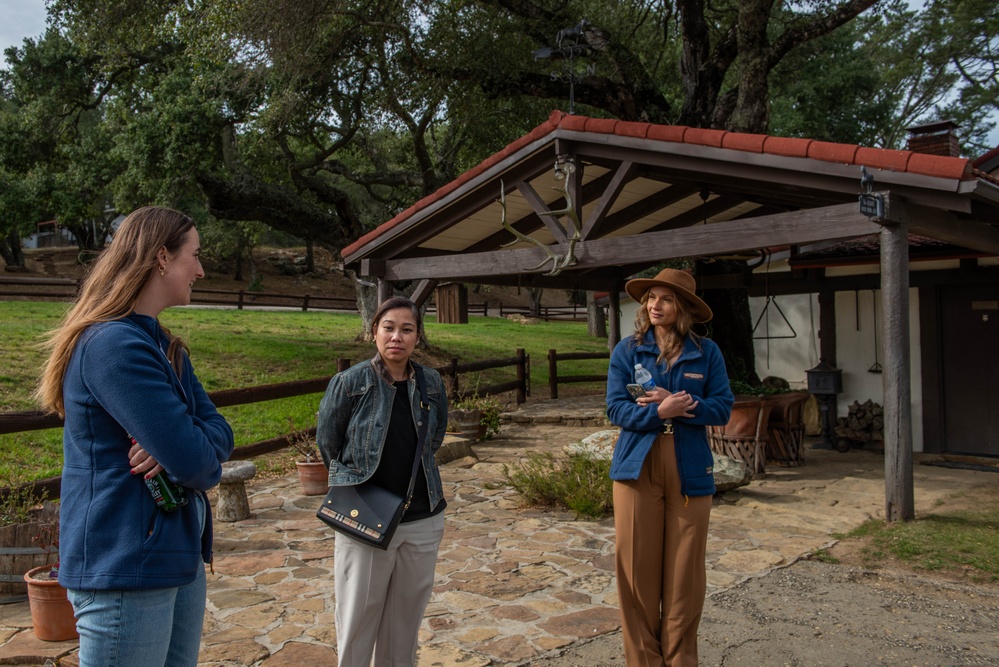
(233, 504)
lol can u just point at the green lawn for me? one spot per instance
(232, 349)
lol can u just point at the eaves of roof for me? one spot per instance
(951, 168)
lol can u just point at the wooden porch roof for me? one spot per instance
(645, 193)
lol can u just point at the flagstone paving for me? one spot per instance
(512, 584)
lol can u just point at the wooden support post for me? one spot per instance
(899, 503)
(827, 353)
(522, 388)
(342, 364)
(553, 373)
(384, 290)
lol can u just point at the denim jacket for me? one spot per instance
(354, 418)
(700, 371)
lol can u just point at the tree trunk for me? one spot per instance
(535, 293)
(11, 251)
(239, 260)
(367, 304)
(596, 326)
(752, 104)
(310, 256)
(732, 327)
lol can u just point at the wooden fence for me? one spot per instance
(554, 378)
(210, 297)
(18, 422)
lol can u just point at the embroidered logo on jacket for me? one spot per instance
(694, 376)
(709, 470)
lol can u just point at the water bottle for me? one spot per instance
(644, 378)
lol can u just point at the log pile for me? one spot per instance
(864, 423)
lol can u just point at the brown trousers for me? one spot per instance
(661, 541)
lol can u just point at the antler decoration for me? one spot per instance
(559, 262)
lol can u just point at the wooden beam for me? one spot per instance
(621, 176)
(942, 225)
(895, 377)
(541, 209)
(830, 223)
(530, 223)
(423, 291)
(654, 202)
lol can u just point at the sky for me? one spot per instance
(26, 18)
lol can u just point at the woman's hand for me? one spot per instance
(142, 462)
(680, 404)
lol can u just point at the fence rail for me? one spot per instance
(240, 299)
(18, 422)
(554, 378)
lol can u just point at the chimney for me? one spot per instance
(937, 138)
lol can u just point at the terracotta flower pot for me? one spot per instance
(51, 612)
(314, 477)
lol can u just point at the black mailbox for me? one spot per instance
(825, 380)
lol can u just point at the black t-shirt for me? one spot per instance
(397, 459)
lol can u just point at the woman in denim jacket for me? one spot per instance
(367, 432)
(663, 469)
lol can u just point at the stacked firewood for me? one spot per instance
(864, 423)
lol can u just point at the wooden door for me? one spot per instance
(970, 369)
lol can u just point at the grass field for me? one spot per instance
(232, 349)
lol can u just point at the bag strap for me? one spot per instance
(421, 438)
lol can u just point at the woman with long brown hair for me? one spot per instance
(142, 442)
(663, 468)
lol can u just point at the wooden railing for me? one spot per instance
(19, 422)
(547, 313)
(554, 378)
(239, 299)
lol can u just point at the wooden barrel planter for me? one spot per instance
(20, 552)
(744, 437)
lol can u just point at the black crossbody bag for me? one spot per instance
(369, 513)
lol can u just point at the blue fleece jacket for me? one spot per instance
(112, 536)
(700, 371)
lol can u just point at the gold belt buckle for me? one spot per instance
(668, 428)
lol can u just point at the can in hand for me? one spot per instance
(169, 496)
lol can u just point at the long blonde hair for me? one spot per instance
(683, 326)
(110, 290)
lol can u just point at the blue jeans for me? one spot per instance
(153, 627)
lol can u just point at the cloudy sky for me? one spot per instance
(26, 18)
(20, 19)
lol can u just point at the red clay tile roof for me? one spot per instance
(881, 158)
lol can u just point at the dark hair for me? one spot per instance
(397, 302)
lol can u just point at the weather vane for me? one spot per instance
(568, 46)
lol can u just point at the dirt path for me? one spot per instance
(815, 614)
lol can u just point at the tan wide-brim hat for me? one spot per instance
(680, 282)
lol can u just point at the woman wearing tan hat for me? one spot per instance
(663, 468)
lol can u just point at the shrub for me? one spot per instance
(578, 483)
(488, 407)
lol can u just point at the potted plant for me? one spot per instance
(51, 612)
(312, 472)
(476, 417)
(26, 520)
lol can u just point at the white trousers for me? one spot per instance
(381, 595)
